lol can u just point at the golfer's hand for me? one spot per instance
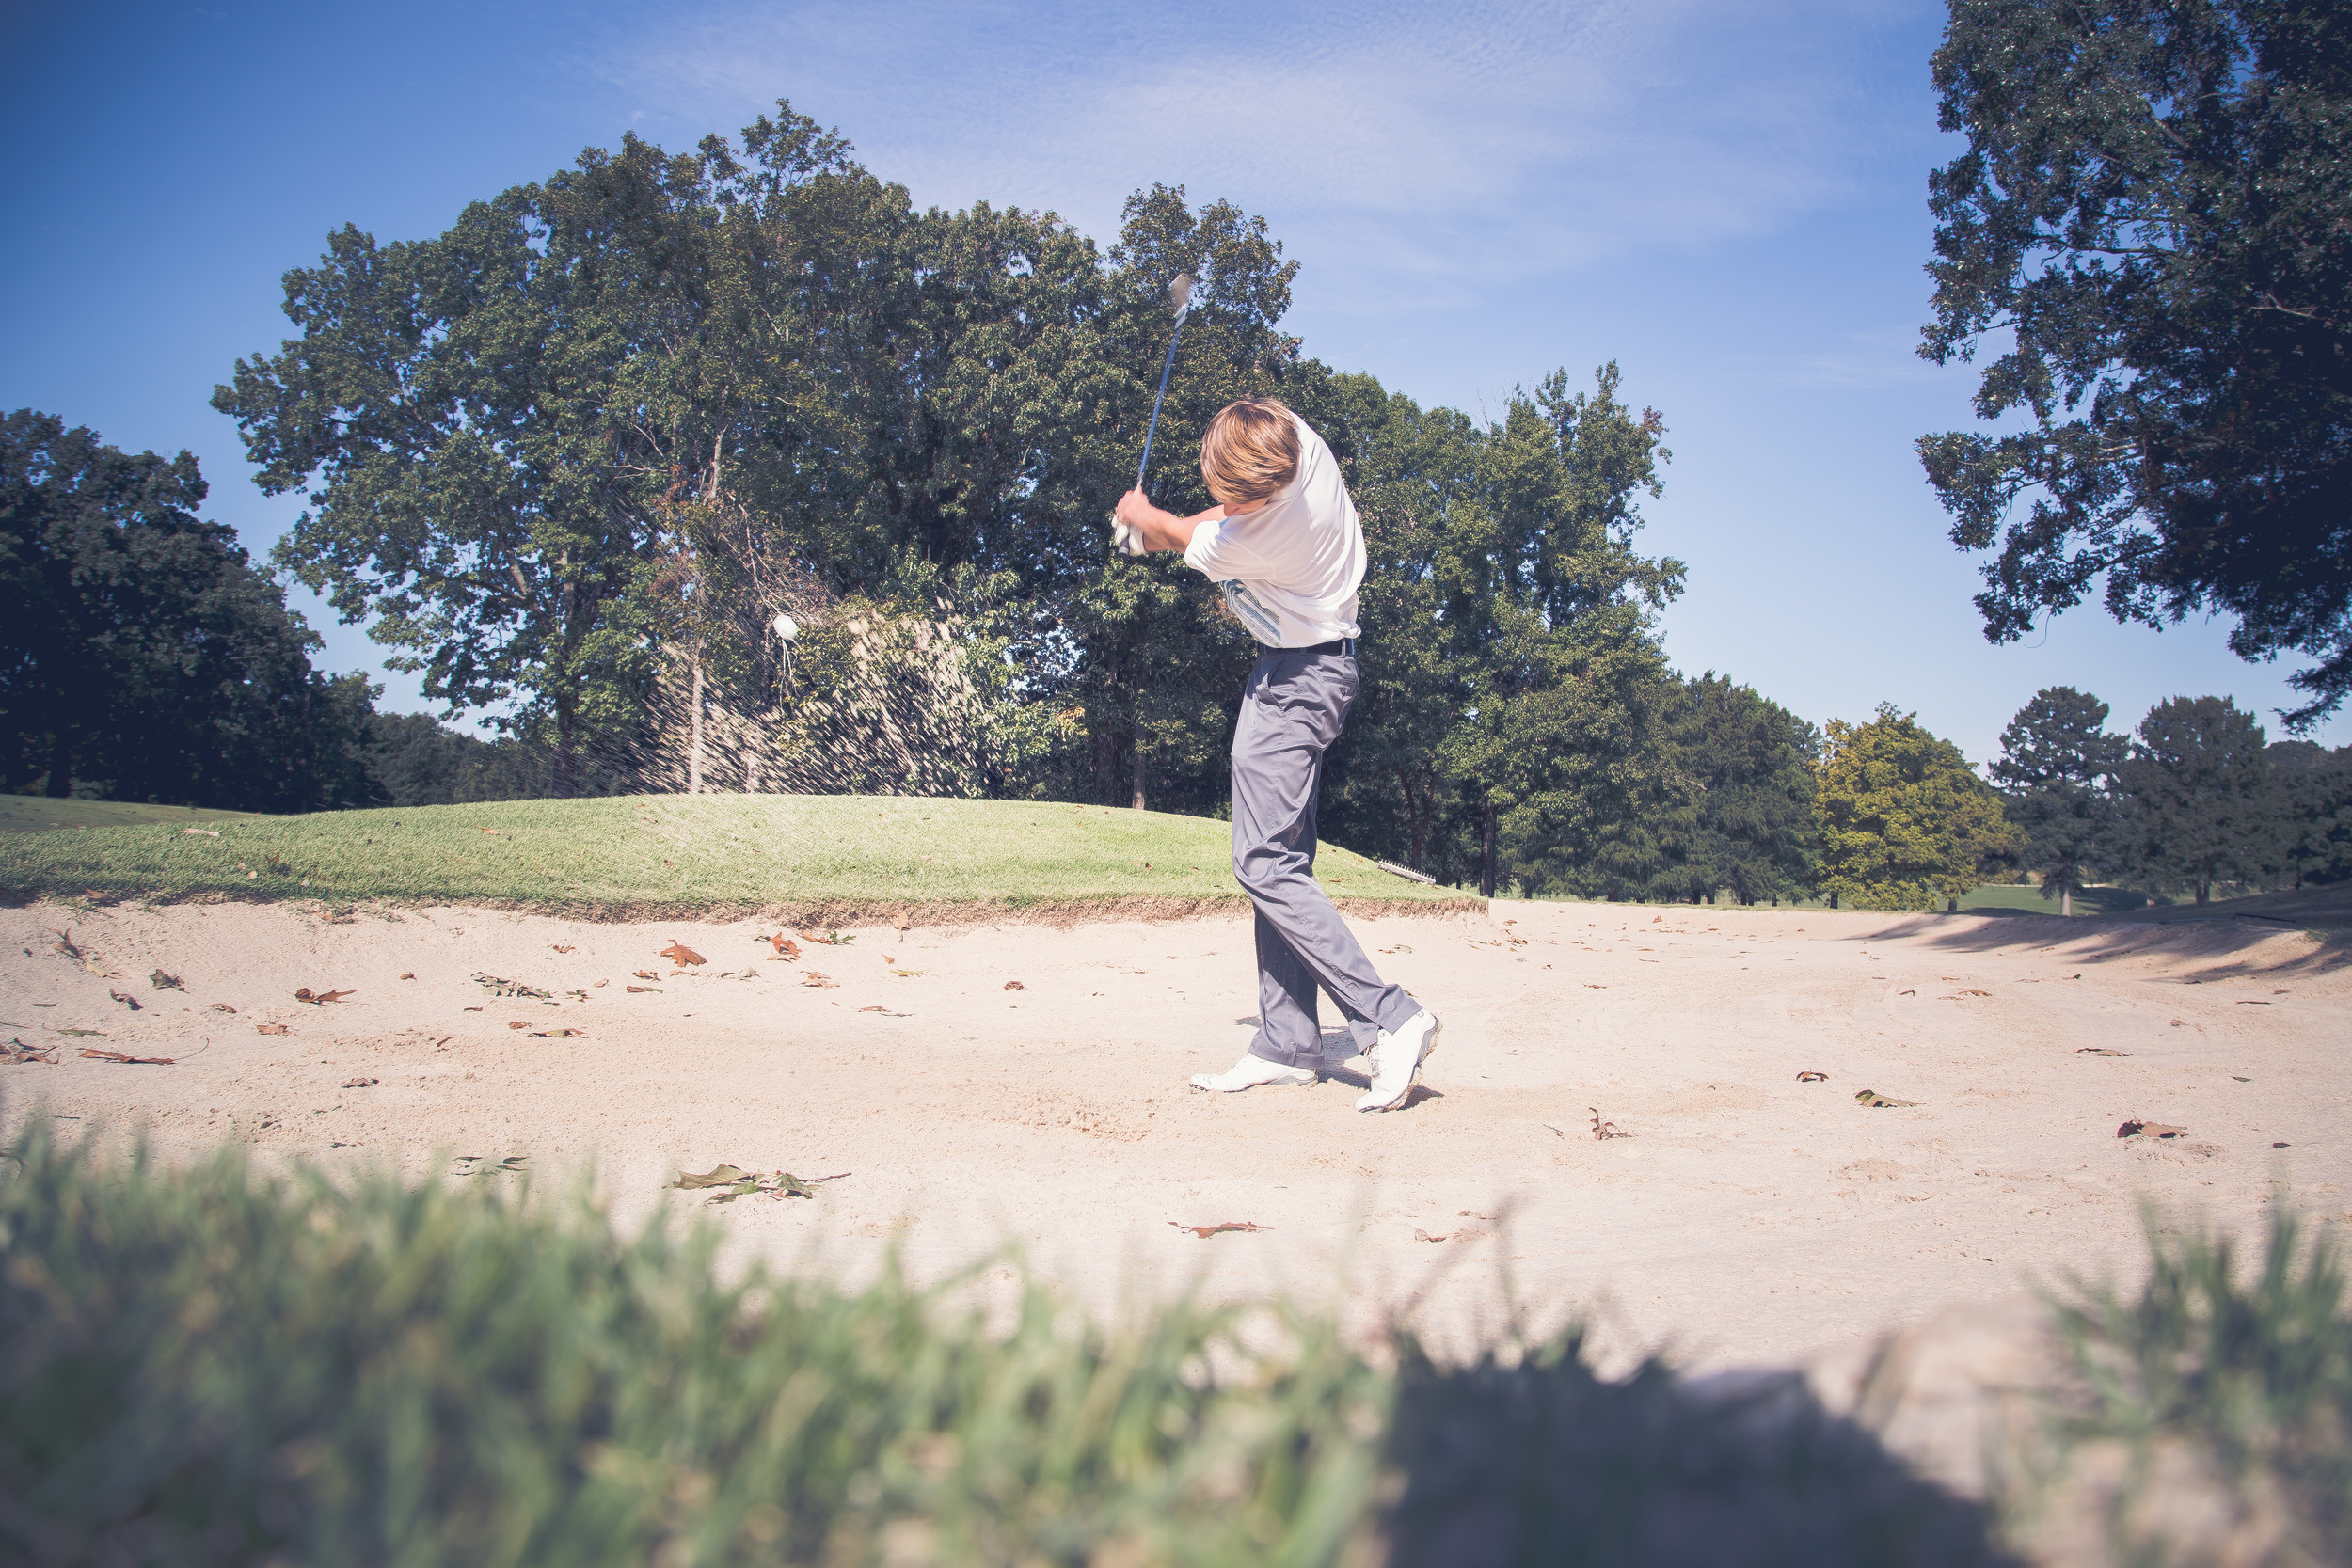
(1134, 508)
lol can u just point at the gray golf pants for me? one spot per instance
(1293, 707)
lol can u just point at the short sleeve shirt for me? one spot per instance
(1290, 569)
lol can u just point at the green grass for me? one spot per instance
(220, 1364)
(2011, 898)
(35, 813)
(838, 856)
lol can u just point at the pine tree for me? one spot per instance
(2056, 759)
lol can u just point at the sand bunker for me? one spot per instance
(1027, 1083)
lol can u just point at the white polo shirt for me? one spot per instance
(1291, 568)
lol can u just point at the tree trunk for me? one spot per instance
(2203, 887)
(1136, 791)
(60, 767)
(695, 747)
(2066, 900)
(1487, 853)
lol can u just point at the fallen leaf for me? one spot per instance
(305, 995)
(2176, 1023)
(786, 947)
(813, 978)
(99, 1033)
(1205, 1231)
(559, 948)
(1589, 986)
(1957, 995)
(104, 1055)
(518, 1023)
(17, 1051)
(408, 976)
(1906, 992)
(1879, 1102)
(221, 1007)
(601, 984)
(908, 972)
(130, 1002)
(206, 833)
(361, 1083)
(2282, 993)
(635, 991)
(516, 989)
(2138, 1129)
(1812, 1077)
(1015, 985)
(491, 830)
(2234, 1078)
(1424, 1236)
(559, 1034)
(1603, 1129)
(2099, 1050)
(273, 1028)
(2252, 1004)
(1557, 1132)
(884, 1012)
(164, 982)
(678, 953)
(739, 1182)
(834, 939)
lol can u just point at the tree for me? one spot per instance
(2312, 810)
(1743, 817)
(2149, 216)
(2195, 795)
(1905, 822)
(141, 656)
(2056, 759)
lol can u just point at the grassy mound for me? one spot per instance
(37, 813)
(813, 857)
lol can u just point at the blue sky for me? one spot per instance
(1726, 197)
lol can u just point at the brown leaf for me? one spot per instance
(1812, 1077)
(361, 1083)
(636, 991)
(164, 982)
(1205, 1231)
(559, 948)
(221, 1007)
(559, 1034)
(2248, 1003)
(1879, 1102)
(128, 1000)
(17, 1051)
(813, 978)
(2099, 1050)
(1906, 993)
(518, 1023)
(408, 976)
(782, 942)
(273, 1028)
(678, 953)
(1424, 1236)
(304, 994)
(1015, 985)
(1603, 1129)
(645, 975)
(2138, 1129)
(127, 1061)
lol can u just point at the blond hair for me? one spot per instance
(1250, 451)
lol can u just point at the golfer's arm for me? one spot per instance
(1165, 530)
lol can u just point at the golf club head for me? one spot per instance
(1180, 293)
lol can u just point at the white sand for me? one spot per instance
(1745, 1219)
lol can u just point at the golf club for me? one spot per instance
(1180, 295)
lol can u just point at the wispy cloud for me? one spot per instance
(1413, 154)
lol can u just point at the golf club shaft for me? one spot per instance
(1154, 429)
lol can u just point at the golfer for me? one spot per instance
(1284, 544)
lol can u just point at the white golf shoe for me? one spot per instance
(1253, 1072)
(1397, 1062)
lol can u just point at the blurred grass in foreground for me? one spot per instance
(216, 1365)
(672, 856)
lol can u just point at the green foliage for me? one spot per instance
(415, 760)
(1738, 814)
(2055, 760)
(2194, 796)
(2239, 1376)
(222, 1364)
(2312, 804)
(1906, 824)
(2149, 215)
(141, 656)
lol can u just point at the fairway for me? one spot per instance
(808, 857)
(35, 813)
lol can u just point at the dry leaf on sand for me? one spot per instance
(164, 982)
(559, 948)
(127, 1000)
(786, 947)
(104, 1055)
(1604, 1129)
(645, 975)
(497, 987)
(636, 991)
(738, 1182)
(1205, 1231)
(2138, 1129)
(361, 1083)
(17, 1051)
(813, 978)
(518, 1023)
(678, 953)
(304, 994)
(273, 1028)
(1812, 1077)
(1879, 1101)
(1015, 985)
(2099, 1050)
(559, 1034)
(1424, 1236)
(221, 1007)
